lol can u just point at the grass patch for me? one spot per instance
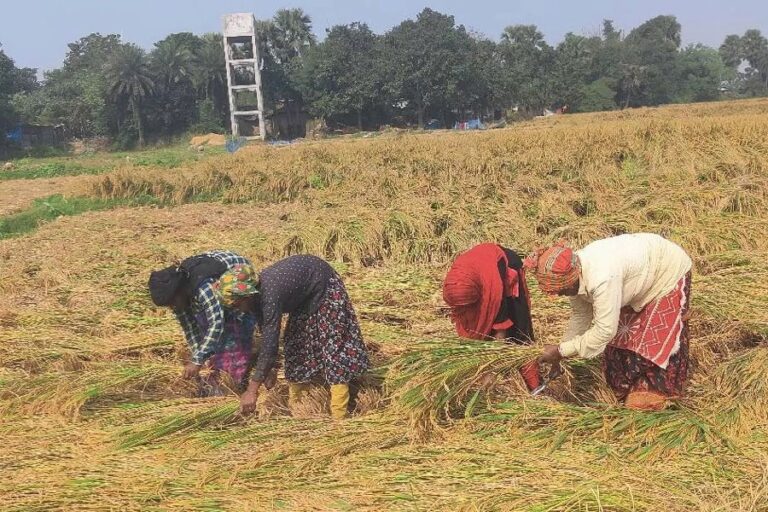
(52, 207)
(29, 169)
(99, 163)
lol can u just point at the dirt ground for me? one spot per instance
(16, 195)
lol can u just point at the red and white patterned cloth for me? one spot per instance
(654, 332)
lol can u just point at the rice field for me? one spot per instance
(95, 415)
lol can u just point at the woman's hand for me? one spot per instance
(551, 355)
(249, 397)
(191, 370)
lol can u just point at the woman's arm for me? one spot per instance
(214, 314)
(606, 307)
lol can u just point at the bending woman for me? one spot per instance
(486, 291)
(322, 337)
(630, 297)
(220, 336)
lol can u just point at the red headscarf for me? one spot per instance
(557, 268)
(474, 290)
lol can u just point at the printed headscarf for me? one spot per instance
(556, 268)
(240, 281)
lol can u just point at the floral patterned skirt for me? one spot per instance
(325, 344)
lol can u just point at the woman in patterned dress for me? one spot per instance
(218, 336)
(322, 337)
(630, 297)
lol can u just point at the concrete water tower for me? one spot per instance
(241, 51)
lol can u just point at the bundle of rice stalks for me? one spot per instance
(734, 289)
(450, 378)
(607, 429)
(217, 414)
(107, 382)
(737, 395)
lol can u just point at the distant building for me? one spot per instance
(287, 122)
(35, 135)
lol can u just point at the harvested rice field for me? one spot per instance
(94, 414)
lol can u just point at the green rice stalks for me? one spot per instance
(449, 378)
(624, 431)
(68, 393)
(219, 415)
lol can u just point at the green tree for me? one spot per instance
(481, 87)
(425, 62)
(75, 95)
(528, 64)
(172, 59)
(572, 69)
(633, 79)
(649, 62)
(283, 42)
(607, 52)
(130, 82)
(752, 49)
(292, 35)
(597, 96)
(276, 85)
(90, 52)
(13, 80)
(172, 67)
(700, 74)
(755, 51)
(340, 76)
(209, 69)
(732, 52)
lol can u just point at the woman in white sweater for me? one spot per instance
(630, 297)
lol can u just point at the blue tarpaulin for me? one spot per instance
(14, 135)
(472, 124)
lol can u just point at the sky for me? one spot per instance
(35, 33)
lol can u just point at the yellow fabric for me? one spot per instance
(297, 391)
(339, 400)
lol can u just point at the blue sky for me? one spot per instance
(35, 32)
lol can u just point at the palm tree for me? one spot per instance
(732, 51)
(129, 79)
(633, 78)
(210, 68)
(172, 62)
(292, 33)
(210, 75)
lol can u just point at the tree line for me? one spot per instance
(427, 69)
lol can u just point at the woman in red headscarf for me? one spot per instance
(486, 291)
